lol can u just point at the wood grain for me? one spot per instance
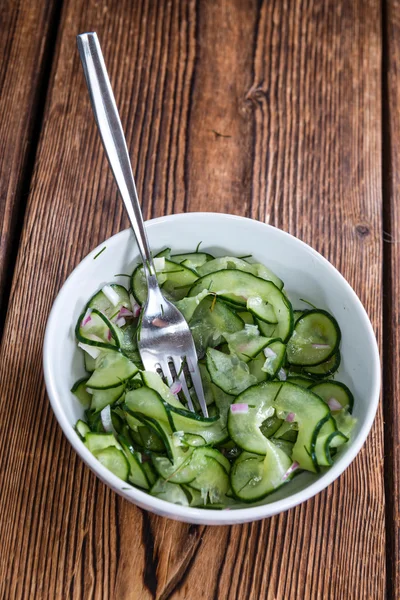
(391, 238)
(265, 109)
(25, 41)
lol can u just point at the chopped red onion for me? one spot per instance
(159, 322)
(176, 387)
(125, 312)
(290, 418)
(269, 353)
(87, 318)
(293, 467)
(106, 419)
(320, 346)
(111, 295)
(120, 322)
(135, 306)
(239, 408)
(334, 404)
(91, 350)
(109, 335)
(282, 375)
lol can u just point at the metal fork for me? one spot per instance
(165, 339)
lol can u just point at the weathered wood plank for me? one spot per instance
(391, 238)
(26, 37)
(296, 86)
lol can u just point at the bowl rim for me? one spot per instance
(192, 514)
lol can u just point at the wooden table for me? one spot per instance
(283, 111)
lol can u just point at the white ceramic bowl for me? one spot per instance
(305, 273)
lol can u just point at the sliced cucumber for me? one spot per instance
(79, 390)
(102, 398)
(309, 413)
(334, 390)
(228, 372)
(197, 259)
(316, 337)
(211, 320)
(231, 262)
(114, 460)
(237, 287)
(99, 441)
(136, 475)
(247, 343)
(175, 280)
(98, 331)
(305, 382)
(253, 477)
(324, 369)
(82, 428)
(171, 492)
(112, 370)
(275, 354)
(103, 304)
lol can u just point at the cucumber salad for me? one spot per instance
(267, 369)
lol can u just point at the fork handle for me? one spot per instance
(112, 135)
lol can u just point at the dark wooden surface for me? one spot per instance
(271, 110)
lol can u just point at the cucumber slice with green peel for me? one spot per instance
(310, 412)
(261, 310)
(212, 481)
(324, 369)
(247, 343)
(316, 337)
(246, 317)
(143, 436)
(82, 429)
(136, 475)
(100, 441)
(275, 354)
(175, 280)
(266, 329)
(270, 426)
(187, 306)
(237, 287)
(336, 391)
(90, 362)
(253, 477)
(210, 321)
(284, 445)
(322, 449)
(94, 421)
(153, 380)
(223, 402)
(245, 428)
(345, 422)
(150, 473)
(103, 304)
(305, 382)
(114, 460)
(297, 314)
(102, 398)
(228, 372)
(256, 368)
(79, 390)
(231, 262)
(112, 370)
(197, 259)
(284, 429)
(190, 439)
(98, 331)
(171, 492)
(163, 253)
